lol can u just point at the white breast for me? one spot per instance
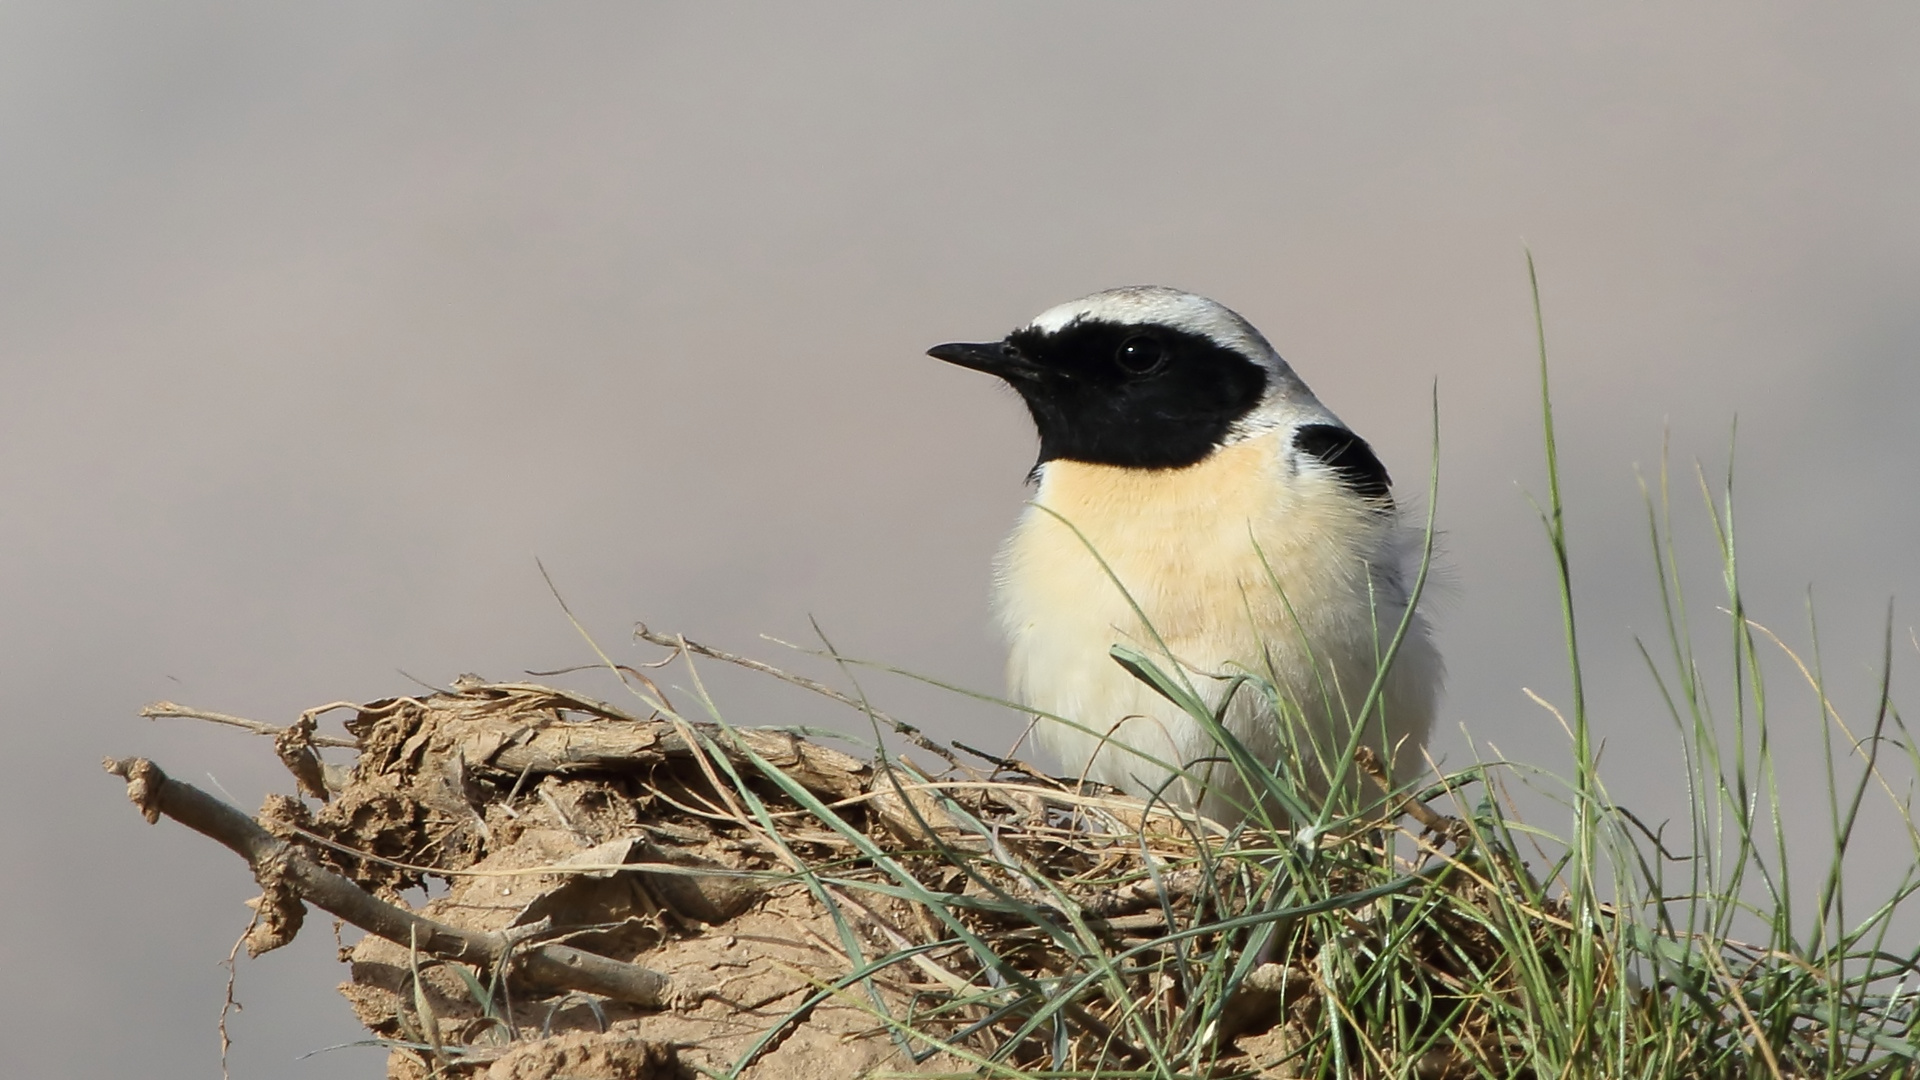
(1241, 564)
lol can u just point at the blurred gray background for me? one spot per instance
(321, 322)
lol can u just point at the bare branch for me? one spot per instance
(279, 865)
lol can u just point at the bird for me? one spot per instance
(1196, 503)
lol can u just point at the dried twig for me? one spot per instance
(1431, 820)
(906, 731)
(168, 709)
(1010, 764)
(283, 869)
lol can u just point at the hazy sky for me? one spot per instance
(322, 322)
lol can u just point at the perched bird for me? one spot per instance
(1188, 477)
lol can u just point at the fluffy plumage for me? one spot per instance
(1253, 530)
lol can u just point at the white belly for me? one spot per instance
(1241, 565)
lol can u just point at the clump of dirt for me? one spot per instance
(757, 875)
(531, 805)
(554, 887)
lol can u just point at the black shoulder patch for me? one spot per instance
(1348, 455)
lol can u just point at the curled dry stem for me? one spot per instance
(1451, 828)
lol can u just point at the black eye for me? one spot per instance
(1140, 355)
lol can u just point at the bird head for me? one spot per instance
(1140, 377)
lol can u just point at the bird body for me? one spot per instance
(1197, 504)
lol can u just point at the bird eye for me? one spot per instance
(1140, 355)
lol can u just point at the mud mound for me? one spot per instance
(615, 895)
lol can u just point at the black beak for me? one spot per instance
(994, 358)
